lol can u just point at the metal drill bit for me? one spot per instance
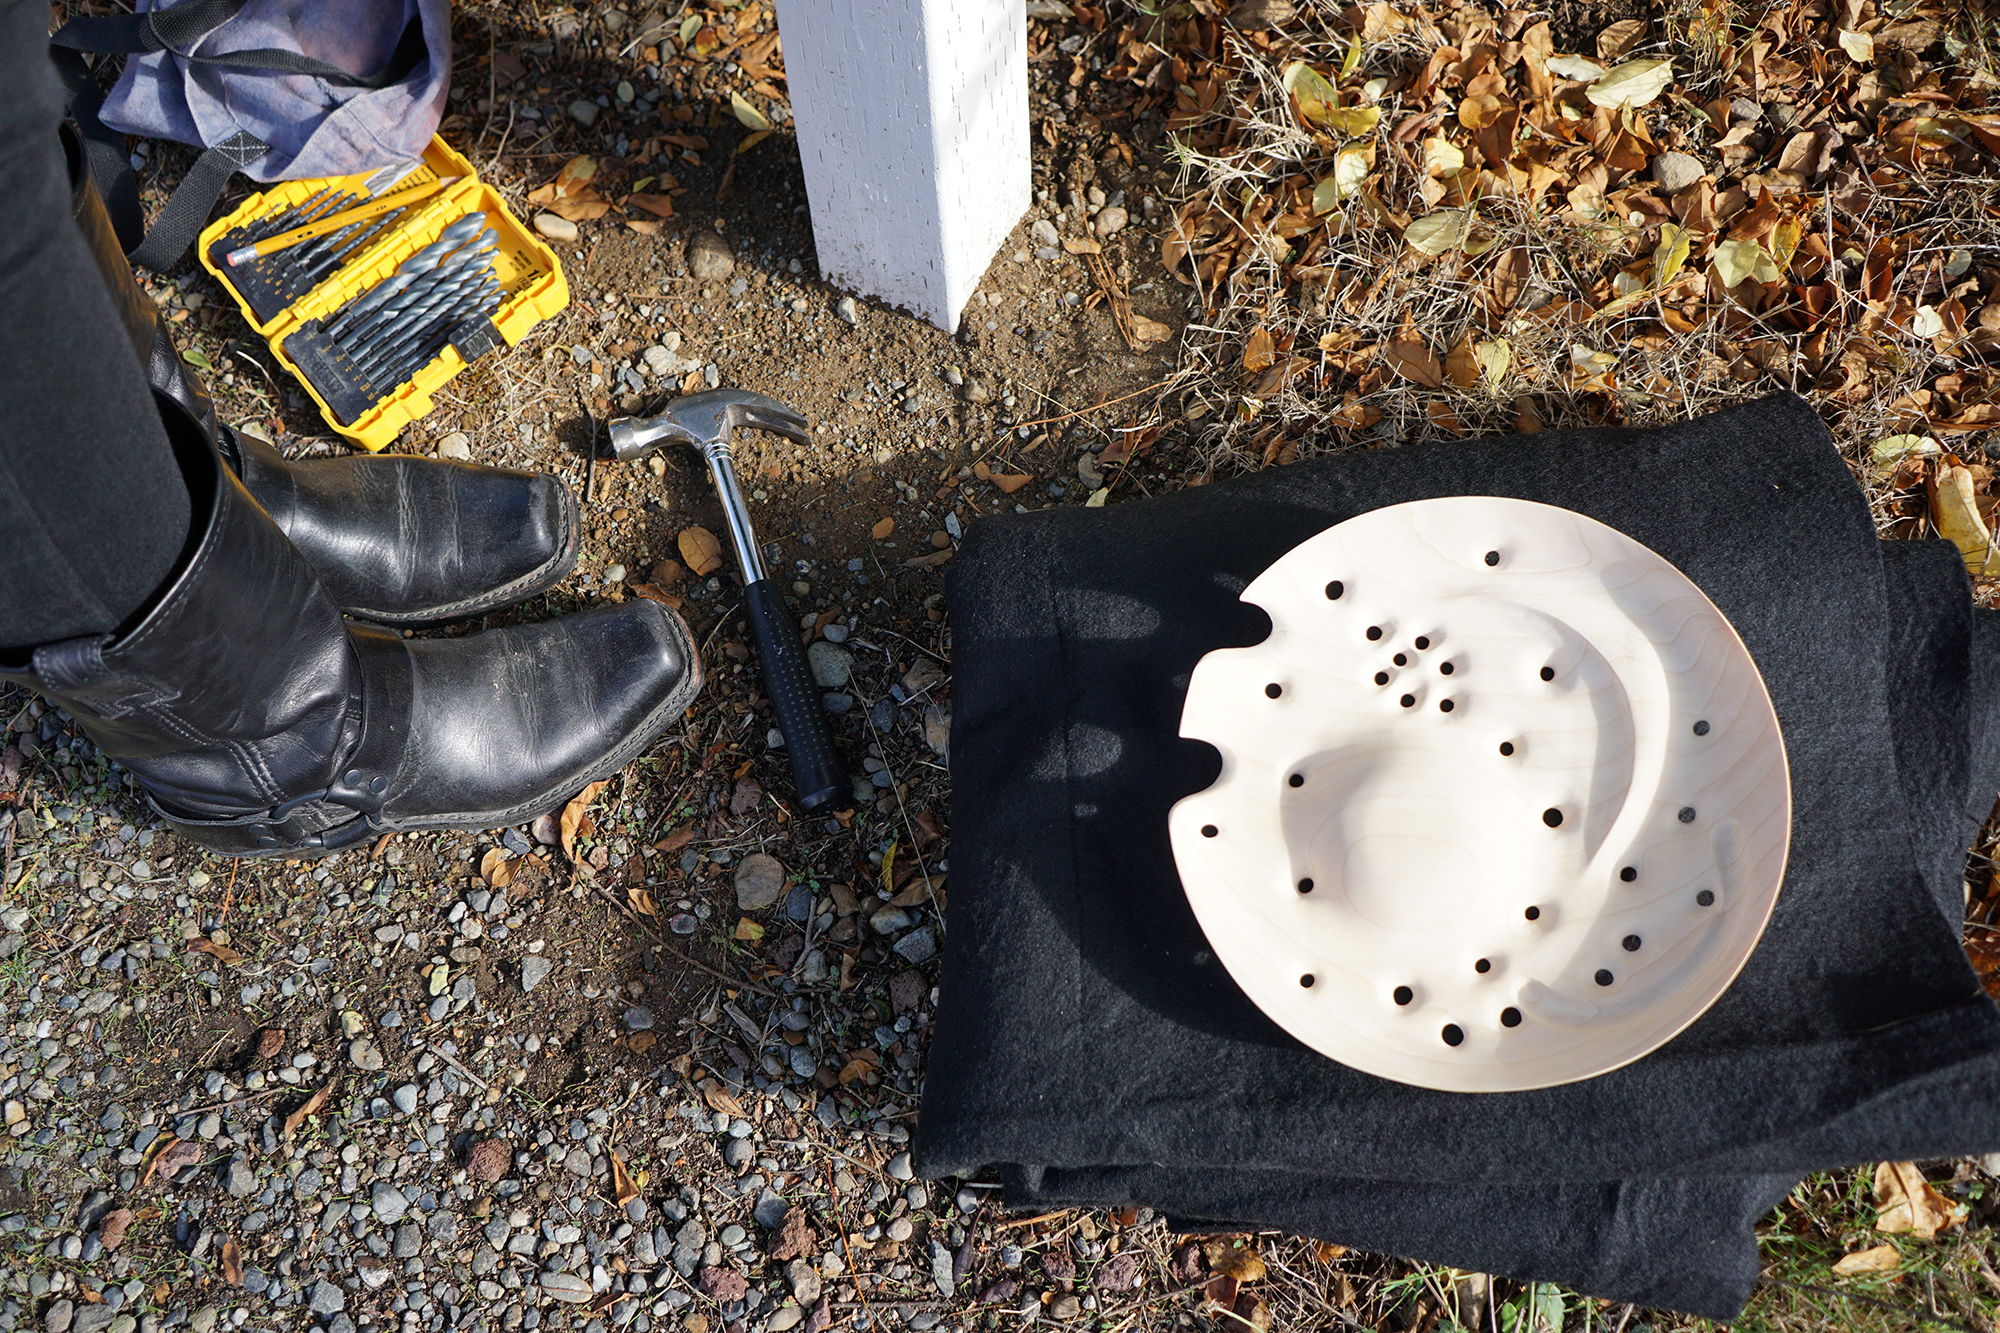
(444, 310)
(421, 345)
(466, 265)
(326, 201)
(359, 318)
(334, 255)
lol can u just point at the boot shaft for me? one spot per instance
(236, 688)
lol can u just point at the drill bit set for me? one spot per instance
(376, 290)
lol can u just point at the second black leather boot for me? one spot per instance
(260, 723)
(396, 539)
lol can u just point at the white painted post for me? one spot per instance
(912, 117)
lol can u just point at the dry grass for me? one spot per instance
(1351, 282)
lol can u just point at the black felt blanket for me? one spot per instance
(1090, 1048)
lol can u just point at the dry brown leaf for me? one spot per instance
(578, 172)
(1009, 482)
(173, 1157)
(497, 868)
(1618, 38)
(882, 530)
(1958, 520)
(855, 1070)
(1462, 362)
(1879, 1259)
(675, 840)
(232, 1263)
(311, 1108)
(1258, 353)
(1412, 360)
(1083, 247)
(718, 1100)
(621, 1179)
(1150, 330)
(701, 549)
(1905, 1201)
(111, 1231)
(576, 817)
(269, 1042)
(659, 205)
(222, 953)
(653, 592)
(1235, 1259)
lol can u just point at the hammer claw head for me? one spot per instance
(703, 419)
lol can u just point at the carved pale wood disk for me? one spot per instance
(1503, 800)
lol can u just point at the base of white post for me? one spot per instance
(912, 118)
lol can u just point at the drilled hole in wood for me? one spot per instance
(1701, 728)
(1273, 690)
(1381, 678)
(1506, 747)
(1306, 981)
(1403, 995)
(1334, 589)
(1209, 830)
(1629, 873)
(1374, 633)
(1400, 660)
(1446, 705)
(1492, 557)
(1510, 1017)
(1604, 977)
(1552, 817)
(1483, 966)
(1686, 815)
(1446, 669)
(1305, 886)
(1409, 701)
(1423, 642)
(1706, 898)
(1453, 1034)
(1630, 943)
(1548, 673)
(1297, 779)
(1533, 914)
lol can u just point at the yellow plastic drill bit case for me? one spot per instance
(292, 296)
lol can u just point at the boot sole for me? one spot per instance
(545, 576)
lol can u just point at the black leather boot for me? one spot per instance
(261, 723)
(395, 539)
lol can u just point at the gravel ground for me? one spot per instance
(663, 1076)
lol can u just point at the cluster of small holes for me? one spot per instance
(1452, 1034)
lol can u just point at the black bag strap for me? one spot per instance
(181, 28)
(178, 30)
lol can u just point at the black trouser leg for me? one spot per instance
(94, 512)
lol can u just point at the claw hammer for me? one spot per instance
(706, 420)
